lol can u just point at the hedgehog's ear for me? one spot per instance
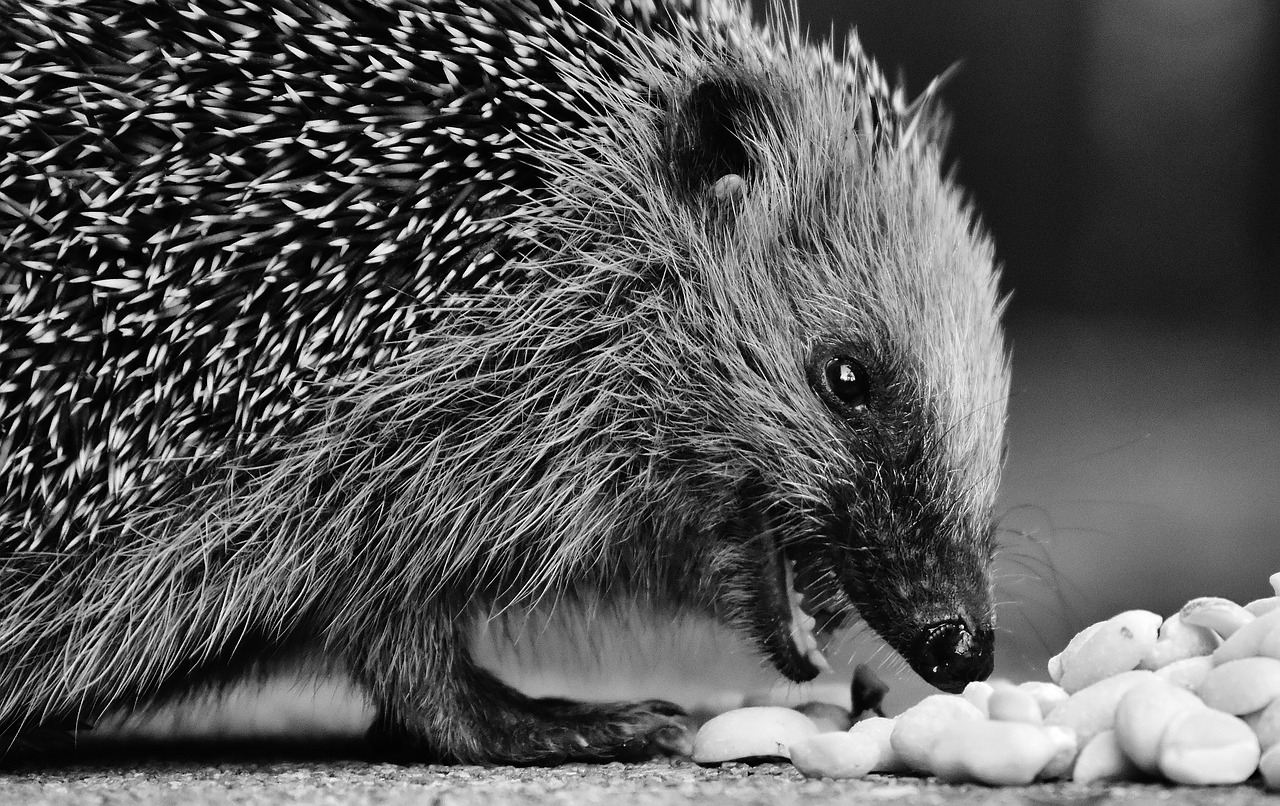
(706, 141)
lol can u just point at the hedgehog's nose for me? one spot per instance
(950, 655)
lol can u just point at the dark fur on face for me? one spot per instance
(747, 347)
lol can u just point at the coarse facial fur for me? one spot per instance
(640, 407)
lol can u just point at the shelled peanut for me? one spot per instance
(1193, 698)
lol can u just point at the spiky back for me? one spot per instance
(210, 210)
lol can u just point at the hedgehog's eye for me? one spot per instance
(848, 380)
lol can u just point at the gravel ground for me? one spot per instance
(353, 782)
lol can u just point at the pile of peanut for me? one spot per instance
(1193, 699)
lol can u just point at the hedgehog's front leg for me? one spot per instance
(436, 703)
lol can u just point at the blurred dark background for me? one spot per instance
(1125, 154)
(1126, 157)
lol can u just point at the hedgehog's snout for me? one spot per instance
(951, 653)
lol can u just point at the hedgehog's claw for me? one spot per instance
(623, 731)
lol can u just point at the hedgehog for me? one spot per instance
(330, 326)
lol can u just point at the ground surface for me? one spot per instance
(346, 782)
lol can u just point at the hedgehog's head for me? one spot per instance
(838, 376)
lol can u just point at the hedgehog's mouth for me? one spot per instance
(794, 601)
(805, 606)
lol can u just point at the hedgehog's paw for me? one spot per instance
(513, 729)
(576, 731)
